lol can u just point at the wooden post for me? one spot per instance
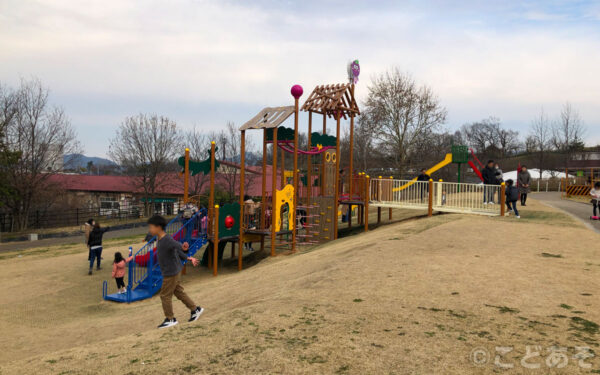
(566, 182)
(242, 178)
(379, 198)
(216, 241)
(282, 169)
(351, 153)
(274, 192)
(391, 196)
(337, 175)
(323, 157)
(263, 202)
(211, 196)
(186, 176)
(295, 174)
(309, 176)
(366, 207)
(502, 199)
(430, 208)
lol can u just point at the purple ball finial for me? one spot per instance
(297, 91)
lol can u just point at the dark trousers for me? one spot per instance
(96, 254)
(523, 198)
(120, 282)
(596, 207)
(512, 205)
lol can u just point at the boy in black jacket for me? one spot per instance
(95, 244)
(512, 196)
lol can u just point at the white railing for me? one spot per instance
(445, 196)
(467, 198)
(409, 194)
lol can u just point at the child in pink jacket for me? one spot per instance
(118, 270)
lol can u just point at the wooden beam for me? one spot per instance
(242, 178)
(263, 202)
(337, 176)
(274, 192)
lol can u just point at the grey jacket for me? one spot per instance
(170, 256)
(524, 179)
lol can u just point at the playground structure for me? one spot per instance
(306, 211)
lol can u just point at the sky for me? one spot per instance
(204, 63)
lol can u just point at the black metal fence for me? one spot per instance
(70, 217)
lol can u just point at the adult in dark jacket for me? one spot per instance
(489, 178)
(423, 187)
(524, 183)
(95, 244)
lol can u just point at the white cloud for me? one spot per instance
(106, 58)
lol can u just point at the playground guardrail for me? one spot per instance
(445, 196)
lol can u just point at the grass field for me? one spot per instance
(415, 297)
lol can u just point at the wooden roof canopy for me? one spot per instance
(270, 117)
(329, 99)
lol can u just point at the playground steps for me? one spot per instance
(151, 282)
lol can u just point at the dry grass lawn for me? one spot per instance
(415, 297)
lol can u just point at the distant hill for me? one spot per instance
(75, 161)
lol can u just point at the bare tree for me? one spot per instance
(146, 146)
(363, 152)
(401, 114)
(568, 132)
(229, 143)
(487, 136)
(506, 140)
(540, 139)
(41, 135)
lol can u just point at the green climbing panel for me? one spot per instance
(198, 166)
(460, 154)
(229, 220)
(323, 140)
(283, 134)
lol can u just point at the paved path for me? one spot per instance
(579, 210)
(21, 245)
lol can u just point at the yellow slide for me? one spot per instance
(447, 160)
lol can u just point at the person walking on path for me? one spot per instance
(524, 184)
(95, 244)
(171, 255)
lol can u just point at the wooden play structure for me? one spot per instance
(301, 206)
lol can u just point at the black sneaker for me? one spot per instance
(196, 314)
(168, 323)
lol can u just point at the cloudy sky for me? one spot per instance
(204, 63)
